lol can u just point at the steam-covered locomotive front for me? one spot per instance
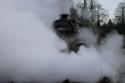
(65, 26)
(66, 29)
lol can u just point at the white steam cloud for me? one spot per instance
(30, 50)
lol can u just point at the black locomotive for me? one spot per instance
(66, 29)
(65, 26)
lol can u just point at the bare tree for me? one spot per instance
(120, 17)
(90, 12)
(120, 13)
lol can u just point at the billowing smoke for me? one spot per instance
(30, 50)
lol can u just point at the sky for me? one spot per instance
(110, 5)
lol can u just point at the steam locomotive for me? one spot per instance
(65, 26)
(66, 29)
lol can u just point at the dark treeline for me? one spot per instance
(91, 13)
